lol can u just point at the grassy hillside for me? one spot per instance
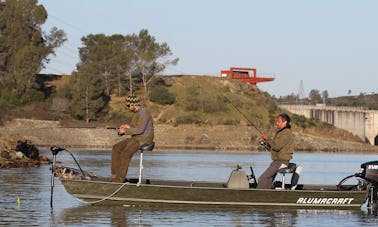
(198, 100)
(211, 100)
(206, 100)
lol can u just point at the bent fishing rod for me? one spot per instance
(262, 143)
(242, 114)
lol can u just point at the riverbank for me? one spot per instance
(182, 137)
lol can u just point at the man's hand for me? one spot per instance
(122, 128)
(264, 137)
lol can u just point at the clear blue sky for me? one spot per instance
(327, 44)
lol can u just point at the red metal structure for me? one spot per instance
(247, 75)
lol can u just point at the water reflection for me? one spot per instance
(179, 215)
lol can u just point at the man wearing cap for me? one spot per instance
(141, 130)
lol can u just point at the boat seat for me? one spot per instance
(238, 179)
(147, 147)
(293, 169)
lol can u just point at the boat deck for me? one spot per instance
(205, 184)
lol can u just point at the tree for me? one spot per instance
(150, 56)
(98, 49)
(125, 61)
(115, 59)
(325, 96)
(59, 107)
(88, 99)
(24, 48)
(315, 97)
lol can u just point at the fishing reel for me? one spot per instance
(265, 145)
(120, 134)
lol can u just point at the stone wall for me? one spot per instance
(50, 133)
(183, 137)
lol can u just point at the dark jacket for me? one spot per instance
(141, 127)
(282, 145)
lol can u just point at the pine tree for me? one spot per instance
(89, 100)
(24, 48)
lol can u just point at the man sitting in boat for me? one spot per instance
(141, 130)
(281, 148)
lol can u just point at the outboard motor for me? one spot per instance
(369, 172)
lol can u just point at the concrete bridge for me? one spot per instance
(361, 122)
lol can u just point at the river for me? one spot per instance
(25, 192)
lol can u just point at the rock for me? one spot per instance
(5, 154)
(19, 153)
(28, 149)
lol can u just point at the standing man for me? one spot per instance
(141, 130)
(281, 148)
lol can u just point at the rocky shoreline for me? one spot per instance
(31, 134)
(167, 137)
(15, 152)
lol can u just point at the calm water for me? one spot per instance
(33, 186)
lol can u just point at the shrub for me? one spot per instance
(162, 96)
(188, 119)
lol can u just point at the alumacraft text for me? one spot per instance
(328, 201)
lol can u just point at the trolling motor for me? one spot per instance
(55, 150)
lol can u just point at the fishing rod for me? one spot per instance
(262, 143)
(241, 113)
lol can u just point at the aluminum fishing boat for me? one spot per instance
(239, 190)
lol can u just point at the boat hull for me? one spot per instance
(207, 193)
